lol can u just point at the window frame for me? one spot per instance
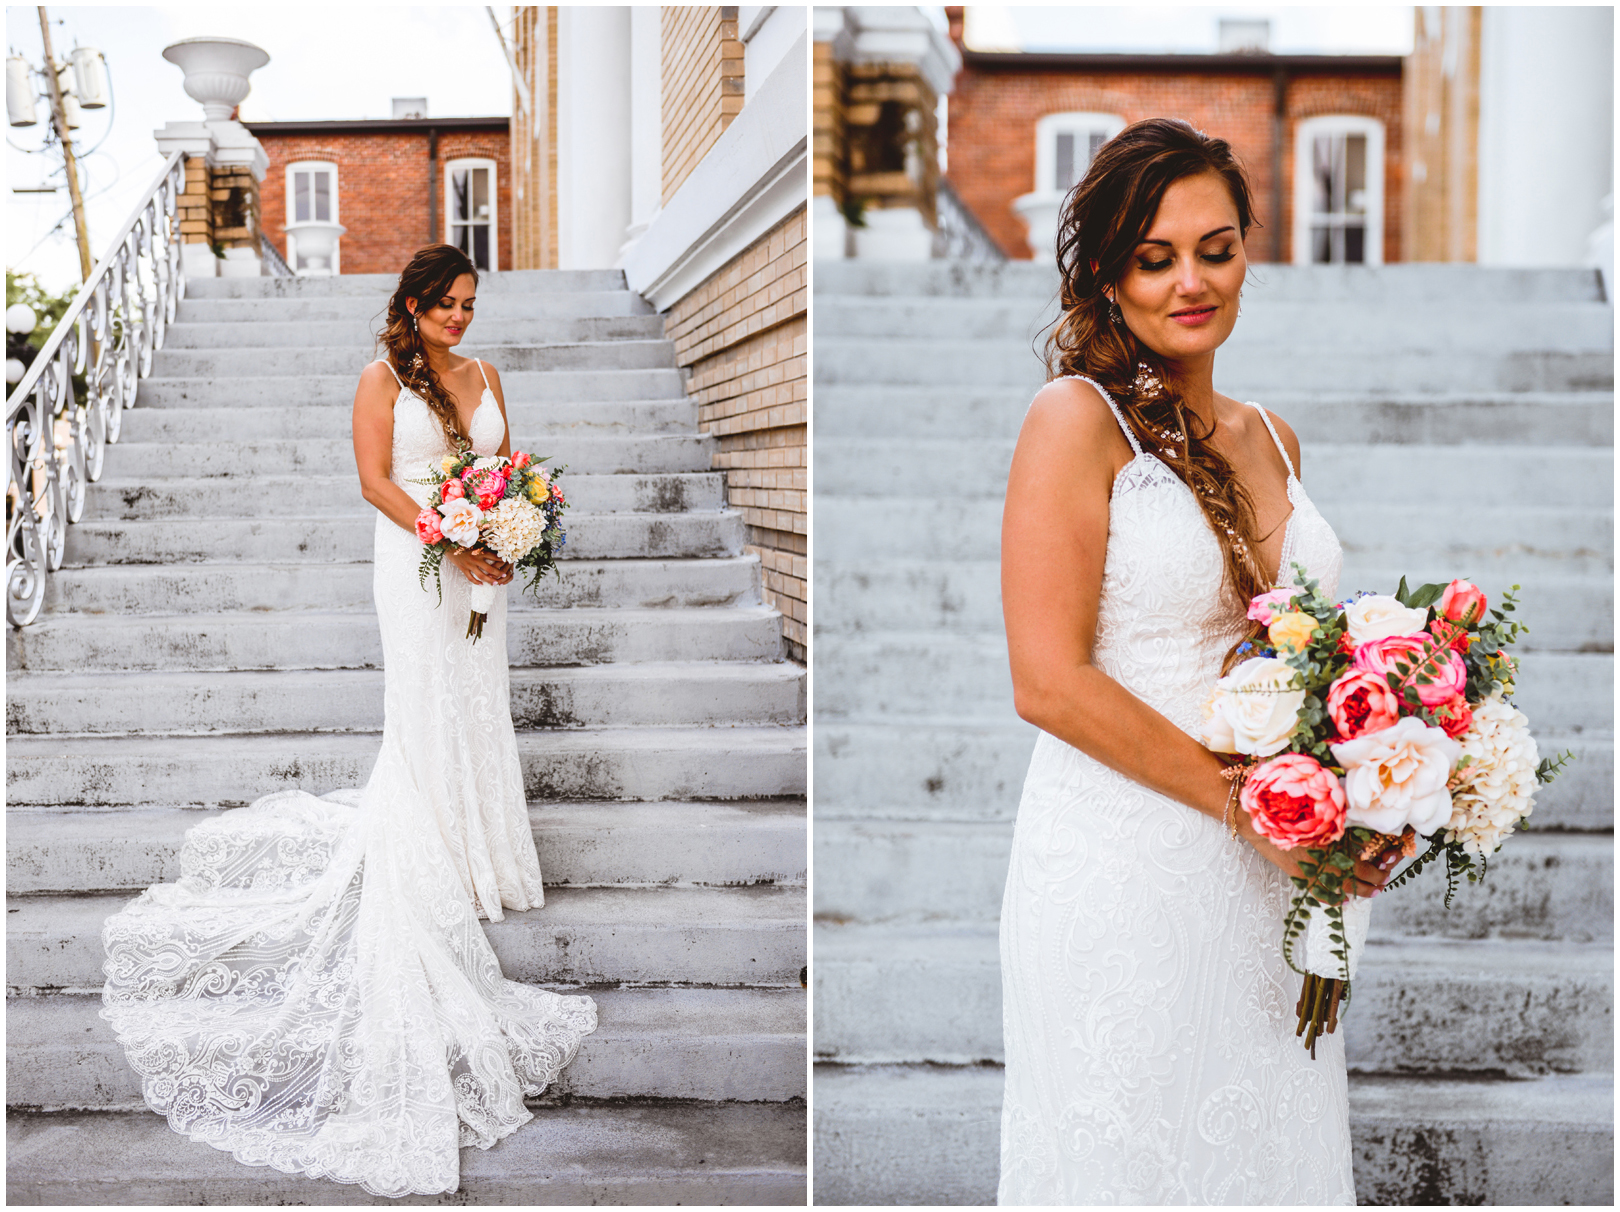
(298, 166)
(1047, 130)
(494, 203)
(1306, 132)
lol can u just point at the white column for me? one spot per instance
(646, 122)
(1546, 132)
(593, 135)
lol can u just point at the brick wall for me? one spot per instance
(702, 84)
(827, 136)
(742, 337)
(382, 186)
(994, 111)
(534, 187)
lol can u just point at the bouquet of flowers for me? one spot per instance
(511, 507)
(1361, 727)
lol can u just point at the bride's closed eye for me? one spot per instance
(1212, 258)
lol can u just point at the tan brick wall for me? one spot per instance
(534, 152)
(702, 84)
(194, 207)
(742, 336)
(1441, 107)
(827, 136)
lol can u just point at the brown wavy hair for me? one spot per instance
(1106, 216)
(428, 276)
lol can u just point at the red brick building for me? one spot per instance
(393, 184)
(1022, 128)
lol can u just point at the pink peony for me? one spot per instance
(427, 526)
(1454, 716)
(1462, 602)
(453, 491)
(488, 486)
(1358, 702)
(1445, 670)
(1293, 801)
(1265, 607)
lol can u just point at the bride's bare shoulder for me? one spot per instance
(377, 382)
(1072, 414)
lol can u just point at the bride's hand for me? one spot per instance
(479, 566)
(1367, 879)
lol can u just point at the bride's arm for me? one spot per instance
(374, 446)
(1053, 544)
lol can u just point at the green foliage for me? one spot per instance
(1550, 767)
(48, 308)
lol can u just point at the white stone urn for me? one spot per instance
(317, 242)
(1039, 211)
(217, 71)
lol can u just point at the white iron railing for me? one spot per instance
(108, 334)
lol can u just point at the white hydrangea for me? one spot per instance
(1495, 783)
(514, 528)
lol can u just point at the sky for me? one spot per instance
(337, 61)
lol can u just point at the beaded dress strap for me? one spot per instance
(1272, 429)
(1130, 437)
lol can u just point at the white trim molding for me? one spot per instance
(749, 181)
(1305, 135)
(291, 219)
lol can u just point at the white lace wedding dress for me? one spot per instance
(316, 993)
(1148, 1013)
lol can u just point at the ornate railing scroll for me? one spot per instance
(108, 334)
(960, 236)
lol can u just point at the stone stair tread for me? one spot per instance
(581, 1154)
(739, 936)
(585, 843)
(690, 1042)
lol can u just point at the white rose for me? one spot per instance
(1379, 616)
(1255, 708)
(1396, 777)
(461, 518)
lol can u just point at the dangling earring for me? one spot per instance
(1114, 314)
(1240, 304)
(416, 331)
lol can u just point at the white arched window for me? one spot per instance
(469, 210)
(312, 197)
(1339, 191)
(1065, 145)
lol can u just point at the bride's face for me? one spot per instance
(1179, 295)
(444, 321)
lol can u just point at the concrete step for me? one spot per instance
(1540, 885)
(889, 675)
(1563, 476)
(371, 309)
(323, 540)
(229, 771)
(1307, 284)
(583, 936)
(652, 693)
(1584, 418)
(265, 496)
(1249, 371)
(732, 1153)
(209, 588)
(863, 595)
(287, 333)
(929, 1135)
(951, 771)
(283, 365)
(1513, 324)
(232, 388)
(616, 454)
(710, 1044)
(307, 639)
(1491, 1008)
(580, 844)
(380, 286)
(534, 423)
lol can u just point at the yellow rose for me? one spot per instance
(537, 491)
(1292, 631)
(446, 463)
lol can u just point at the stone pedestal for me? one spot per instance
(219, 210)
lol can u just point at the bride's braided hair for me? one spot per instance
(427, 278)
(1104, 219)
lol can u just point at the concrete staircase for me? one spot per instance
(211, 637)
(1481, 1038)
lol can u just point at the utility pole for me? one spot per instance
(59, 114)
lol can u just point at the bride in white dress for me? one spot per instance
(1148, 1013)
(316, 993)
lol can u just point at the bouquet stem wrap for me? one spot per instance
(1319, 957)
(483, 601)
